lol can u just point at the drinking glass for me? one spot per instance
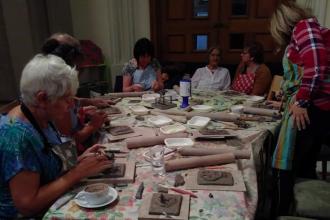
(157, 159)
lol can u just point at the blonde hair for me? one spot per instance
(284, 19)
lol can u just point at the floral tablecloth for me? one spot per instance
(221, 205)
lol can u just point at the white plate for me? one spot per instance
(150, 97)
(171, 129)
(238, 109)
(178, 142)
(83, 203)
(255, 99)
(198, 121)
(202, 108)
(159, 120)
(139, 110)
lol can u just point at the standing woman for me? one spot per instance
(252, 76)
(306, 64)
(143, 72)
(212, 76)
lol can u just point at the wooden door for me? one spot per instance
(183, 30)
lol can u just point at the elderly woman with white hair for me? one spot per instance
(32, 175)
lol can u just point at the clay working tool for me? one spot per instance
(179, 190)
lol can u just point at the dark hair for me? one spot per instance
(66, 51)
(142, 47)
(256, 51)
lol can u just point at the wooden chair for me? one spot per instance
(6, 108)
(275, 86)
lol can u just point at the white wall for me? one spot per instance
(113, 25)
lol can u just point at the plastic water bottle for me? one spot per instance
(185, 90)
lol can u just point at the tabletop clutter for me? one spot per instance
(152, 131)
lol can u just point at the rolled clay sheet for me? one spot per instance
(260, 111)
(126, 94)
(199, 151)
(187, 163)
(137, 142)
(218, 116)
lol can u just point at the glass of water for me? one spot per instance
(157, 159)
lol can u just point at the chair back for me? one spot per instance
(6, 108)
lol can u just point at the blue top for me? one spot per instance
(21, 149)
(144, 77)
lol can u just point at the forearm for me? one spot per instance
(83, 134)
(45, 195)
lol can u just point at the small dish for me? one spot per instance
(81, 201)
(171, 129)
(238, 109)
(255, 99)
(139, 110)
(178, 142)
(198, 121)
(159, 120)
(202, 108)
(150, 97)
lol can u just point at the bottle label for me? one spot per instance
(185, 88)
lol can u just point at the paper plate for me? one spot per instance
(139, 110)
(160, 120)
(171, 129)
(178, 142)
(198, 121)
(202, 108)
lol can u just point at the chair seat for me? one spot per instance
(312, 199)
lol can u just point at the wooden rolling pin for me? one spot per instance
(199, 151)
(137, 142)
(187, 163)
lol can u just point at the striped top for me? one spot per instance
(310, 48)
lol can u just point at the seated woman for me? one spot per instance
(143, 72)
(68, 48)
(212, 76)
(32, 175)
(252, 76)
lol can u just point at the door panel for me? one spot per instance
(176, 24)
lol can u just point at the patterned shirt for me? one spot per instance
(310, 48)
(21, 149)
(144, 77)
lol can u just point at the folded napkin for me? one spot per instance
(261, 111)
(143, 141)
(186, 163)
(198, 151)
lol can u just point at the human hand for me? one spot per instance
(90, 152)
(101, 103)
(97, 119)
(91, 165)
(299, 116)
(274, 104)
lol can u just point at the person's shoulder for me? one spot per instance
(223, 70)
(305, 24)
(13, 132)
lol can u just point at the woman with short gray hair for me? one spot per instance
(32, 174)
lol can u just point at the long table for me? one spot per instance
(221, 205)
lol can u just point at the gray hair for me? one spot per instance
(50, 74)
